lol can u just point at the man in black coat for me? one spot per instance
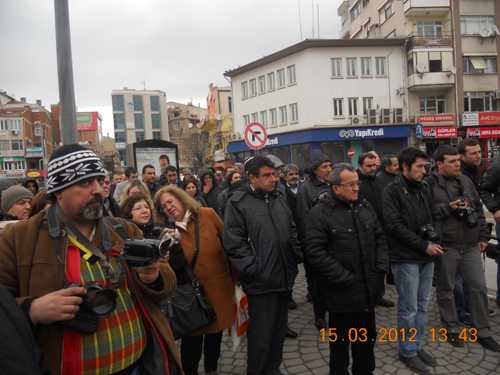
(347, 247)
(260, 239)
(470, 157)
(290, 181)
(210, 189)
(388, 171)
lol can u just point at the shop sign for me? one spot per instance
(422, 147)
(15, 174)
(86, 121)
(358, 133)
(12, 159)
(442, 119)
(272, 141)
(11, 153)
(442, 132)
(34, 152)
(219, 155)
(120, 145)
(34, 174)
(481, 118)
(483, 132)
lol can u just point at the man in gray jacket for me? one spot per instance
(465, 235)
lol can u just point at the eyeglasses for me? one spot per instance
(107, 182)
(140, 208)
(351, 184)
(169, 203)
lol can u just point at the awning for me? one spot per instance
(478, 62)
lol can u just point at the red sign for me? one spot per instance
(350, 153)
(443, 132)
(443, 119)
(255, 136)
(489, 118)
(35, 174)
(483, 132)
(86, 121)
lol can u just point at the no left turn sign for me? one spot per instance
(255, 136)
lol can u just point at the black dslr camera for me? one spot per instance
(428, 233)
(97, 303)
(492, 250)
(142, 253)
(466, 214)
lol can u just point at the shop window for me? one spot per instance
(327, 149)
(339, 152)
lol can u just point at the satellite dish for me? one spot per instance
(190, 125)
(421, 67)
(198, 125)
(218, 117)
(453, 70)
(495, 29)
(485, 33)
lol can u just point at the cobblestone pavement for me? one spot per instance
(308, 354)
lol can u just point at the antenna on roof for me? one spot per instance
(143, 83)
(300, 22)
(312, 13)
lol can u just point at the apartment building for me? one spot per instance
(138, 115)
(321, 94)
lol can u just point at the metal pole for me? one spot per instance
(65, 73)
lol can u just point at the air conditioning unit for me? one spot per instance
(455, 141)
(38, 131)
(372, 116)
(356, 120)
(236, 136)
(497, 94)
(398, 115)
(15, 132)
(28, 140)
(386, 116)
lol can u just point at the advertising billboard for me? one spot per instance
(86, 121)
(149, 152)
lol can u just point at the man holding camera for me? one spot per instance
(413, 229)
(465, 235)
(45, 261)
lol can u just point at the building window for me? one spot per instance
(15, 125)
(255, 117)
(139, 120)
(366, 66)
(431, 105)
(156, 135)
(353, 106)
(274, 117)
(155, 121)
(246, 120)
(139, 136)
(271, 81)
(155, 103)
(244, 90)
(177, 126)
(336, 67)
(388, 11)
(478, 64)
(430, 29)
(119, 120)
(351, 67)
(17, 144)
(480, 101)
(365, 2)
(283, 116)
(253, 87)
(120, 137)
(137, 103)
(4, 145)
(355, 11)
(291, 75)
(262, 84)
(4, 125)
(263, 118)
(294, 112)
(380, 66)
(367, 104)
(435, 66)
(230, 104)
(281, 78)
(117, 102)
(123, 157)
(472, 25)
(410, 67)
(337, 108)
(392, 34)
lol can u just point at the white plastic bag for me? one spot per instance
(240, 326)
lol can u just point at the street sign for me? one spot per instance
(350, 153)
(255, 136)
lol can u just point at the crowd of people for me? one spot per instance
(355, 229)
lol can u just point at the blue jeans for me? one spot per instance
(413, 282)
(460, 294)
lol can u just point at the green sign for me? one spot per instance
(83, 118)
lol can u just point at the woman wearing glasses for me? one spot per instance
(138, 210)
(212, 270)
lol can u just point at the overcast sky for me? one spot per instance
(179, 47)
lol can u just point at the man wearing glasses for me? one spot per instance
(347, 247)
(111, 207)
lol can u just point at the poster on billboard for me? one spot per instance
(86, 121)
(150, 151)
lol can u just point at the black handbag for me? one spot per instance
(187, 309)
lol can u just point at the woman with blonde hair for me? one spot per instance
(134, 187)
(212, 270)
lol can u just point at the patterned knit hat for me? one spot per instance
(70, 164)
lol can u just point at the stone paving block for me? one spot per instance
(488, 365)
(321, 370)
(311, 357)
(389, 368)
(240, 362)
(297, 369)
(316, 363)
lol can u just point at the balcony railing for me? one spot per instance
(346, 26)
(440, 39)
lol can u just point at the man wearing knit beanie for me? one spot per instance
(16, 201)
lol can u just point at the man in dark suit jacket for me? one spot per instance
(290, 181)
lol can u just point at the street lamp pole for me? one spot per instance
(39, 125)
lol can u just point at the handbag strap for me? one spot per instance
(197, 240)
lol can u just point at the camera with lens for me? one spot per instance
(428, 233)
(97, 303)
(466, 214)
(493, 251)
(142, 253)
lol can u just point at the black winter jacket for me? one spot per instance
(291, 199)
(370, 190)
(224, 196)
(490, 188)
(404, 215)
(260, 240)
(307, 192)
(383, 178)
(347, 247)
(473, 174)
(213, 194)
